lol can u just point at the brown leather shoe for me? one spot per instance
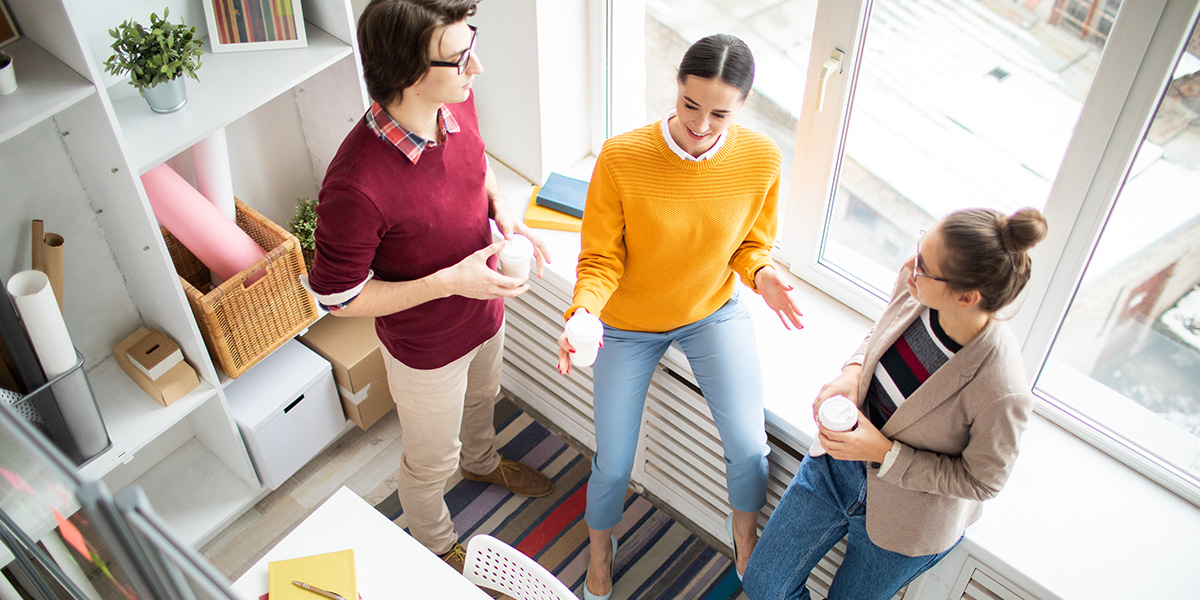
(457, 559)
(520, 479)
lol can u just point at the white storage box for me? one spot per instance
(287, 409)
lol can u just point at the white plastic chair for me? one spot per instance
(495, 565)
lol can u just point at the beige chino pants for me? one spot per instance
(444, 413)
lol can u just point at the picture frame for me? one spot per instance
(8, 29)
(245, 25)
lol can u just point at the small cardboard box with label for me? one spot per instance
(351, 346)
(156, 364)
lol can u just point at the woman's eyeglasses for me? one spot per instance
(917, 263)
(461, 63)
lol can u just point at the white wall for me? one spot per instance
(506, 93)
(565, 46)
(535, 94)
(97, 306)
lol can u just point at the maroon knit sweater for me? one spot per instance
(405, 221)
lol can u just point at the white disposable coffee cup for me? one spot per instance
(838, 413)
(8, 75)
(584, 332)
(515, 257)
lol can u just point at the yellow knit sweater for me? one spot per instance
(664, 237)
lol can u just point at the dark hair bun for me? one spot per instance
(986, 250)
(1023, 229)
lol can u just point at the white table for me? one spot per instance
(390, 564)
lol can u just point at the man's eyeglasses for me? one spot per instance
(917, 263)
(461, 63)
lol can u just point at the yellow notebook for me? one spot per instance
(548, 218)
(333, 572)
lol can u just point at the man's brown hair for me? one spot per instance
(394, 38)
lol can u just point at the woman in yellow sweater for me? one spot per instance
(676, 212)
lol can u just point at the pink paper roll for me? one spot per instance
(218, 242)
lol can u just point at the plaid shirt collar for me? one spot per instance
(411, 144)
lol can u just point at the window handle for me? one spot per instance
(832, 65)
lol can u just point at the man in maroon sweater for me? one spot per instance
(403, 236)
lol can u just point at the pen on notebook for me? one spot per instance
(313, 588)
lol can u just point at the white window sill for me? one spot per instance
(1071, 523)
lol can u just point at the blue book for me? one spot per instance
(564, 194)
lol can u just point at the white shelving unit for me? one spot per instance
(43, 77)
(73, 141)
(133, 419)
(231, 85)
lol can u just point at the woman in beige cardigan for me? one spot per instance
(943, 400)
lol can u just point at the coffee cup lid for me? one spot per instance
(838, 411)
(585, 325)
(517, 249)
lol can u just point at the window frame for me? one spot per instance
(820, 139)
(1148, 73)
(1134, 71)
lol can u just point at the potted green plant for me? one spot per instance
(156, 58)
(303, 225)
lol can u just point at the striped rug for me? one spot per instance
(658, 557)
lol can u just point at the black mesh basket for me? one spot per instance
(65, 408)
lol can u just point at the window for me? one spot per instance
(1000, 103)
(1088, 18)
(955, 104)
(1127, 356)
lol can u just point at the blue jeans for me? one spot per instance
(825, 501)
(724, 358)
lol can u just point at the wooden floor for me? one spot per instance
(364, 461)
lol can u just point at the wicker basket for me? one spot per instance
(243, 324)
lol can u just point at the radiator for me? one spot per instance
(533, 322)
(679, 457)
(977, 581)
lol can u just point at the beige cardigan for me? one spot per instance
(958, 433)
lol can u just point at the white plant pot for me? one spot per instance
(8, 77)
(167, 97)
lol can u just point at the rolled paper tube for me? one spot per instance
(214, 178)
(38, 229)
(52, 264)
(8, 381)
(199, 226)
(24, 360)
(32, 294)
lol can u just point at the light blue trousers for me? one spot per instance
(724, 358)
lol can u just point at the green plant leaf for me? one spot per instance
(304, 224)
(152, 55)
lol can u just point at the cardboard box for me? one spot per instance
(154, 355)
(171, 386)
(351, 346)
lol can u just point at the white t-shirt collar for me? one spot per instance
(666, 133)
